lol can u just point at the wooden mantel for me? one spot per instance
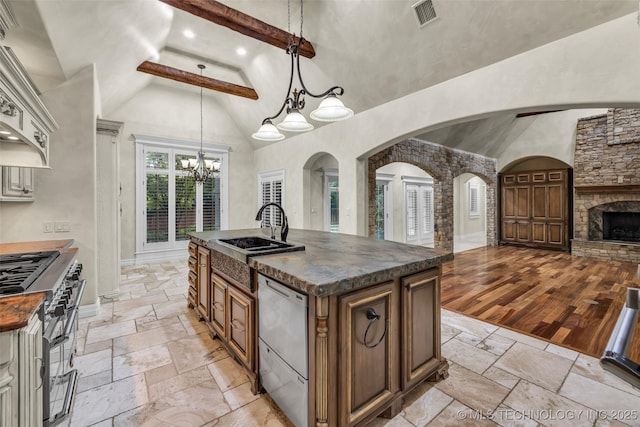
(619, 188)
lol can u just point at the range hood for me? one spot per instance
(25, 123)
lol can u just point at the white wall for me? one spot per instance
(595, 68)
(465, 225)
(161, 110)
(66, 192)
(551, 135)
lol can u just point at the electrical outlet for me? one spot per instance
(47, 227)
(62, 226)
(620, 179)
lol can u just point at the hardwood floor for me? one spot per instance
(570, 301)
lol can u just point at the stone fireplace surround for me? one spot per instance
(606, 179)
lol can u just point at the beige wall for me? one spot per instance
(463, 224)
(66, 192)
(562, 74)
(161, 110)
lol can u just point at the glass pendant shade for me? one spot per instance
(216, 165)
(268, 132)
(295, 122)
(185, 163)
(331, 109)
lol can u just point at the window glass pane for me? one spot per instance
(334, 224)
(157, 160)
(185, 206)
(379, 220)
(211, 204)
(157, 208)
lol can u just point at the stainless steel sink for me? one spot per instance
(245, 247)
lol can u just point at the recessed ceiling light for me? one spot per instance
(5, 132)
(188, 34)
(13, 138)
(241, 51)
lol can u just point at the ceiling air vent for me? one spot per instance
(425, 12)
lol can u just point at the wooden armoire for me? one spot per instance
(535, 208)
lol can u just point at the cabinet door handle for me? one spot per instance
(373, 316)
(218, 306)
(41, 370)
(234, 325)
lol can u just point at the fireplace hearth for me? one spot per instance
(622, 226)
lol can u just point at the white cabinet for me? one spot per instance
(17, 184)
(20, 375)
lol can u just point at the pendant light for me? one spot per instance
(331, 108)
(200, 167)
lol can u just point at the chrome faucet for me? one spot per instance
(285, 224)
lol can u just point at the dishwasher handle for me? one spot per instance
(279, 290)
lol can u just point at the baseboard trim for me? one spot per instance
(89, 310)
(151, 257)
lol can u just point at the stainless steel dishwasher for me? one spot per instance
(283, 347)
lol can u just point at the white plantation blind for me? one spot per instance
(156, 193)
(271, 190)
(169, 203)
(474, 207)
(412, 213)
(427, 209)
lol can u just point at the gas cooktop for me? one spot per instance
(19, 271)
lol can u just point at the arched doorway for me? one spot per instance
(469, 212)
(404, 204)
(322, 193)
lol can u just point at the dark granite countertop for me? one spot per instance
(332, 262)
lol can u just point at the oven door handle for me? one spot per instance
(68, 398)
(81, 287)
(67, 330)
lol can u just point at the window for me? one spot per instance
(331, 201)
(170, 204)
(474, 204)
(384, 206)
(271, 189)
(419, 223)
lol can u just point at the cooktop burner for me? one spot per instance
(19, 271)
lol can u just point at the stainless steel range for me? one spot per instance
(58, 275)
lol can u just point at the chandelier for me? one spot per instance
(331, 109)
(199, 167)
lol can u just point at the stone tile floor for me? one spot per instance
(145, 360)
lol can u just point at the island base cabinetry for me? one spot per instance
(373, 346)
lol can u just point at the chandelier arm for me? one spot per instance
(287, 99)
(336, 90)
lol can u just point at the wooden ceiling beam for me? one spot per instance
(196, 79)
(235, 20)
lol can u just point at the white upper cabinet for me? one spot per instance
(25, 123)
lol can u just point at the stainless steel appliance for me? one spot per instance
(614, 358)
(58, 275)
(282, 321)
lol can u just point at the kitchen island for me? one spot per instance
(372, 316)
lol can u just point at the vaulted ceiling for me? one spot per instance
(375, 49)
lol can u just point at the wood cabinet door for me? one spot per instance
(535, 208)
(369, 369)
(219, 289)
(420, 341)
(203, 288)
(240, 315)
